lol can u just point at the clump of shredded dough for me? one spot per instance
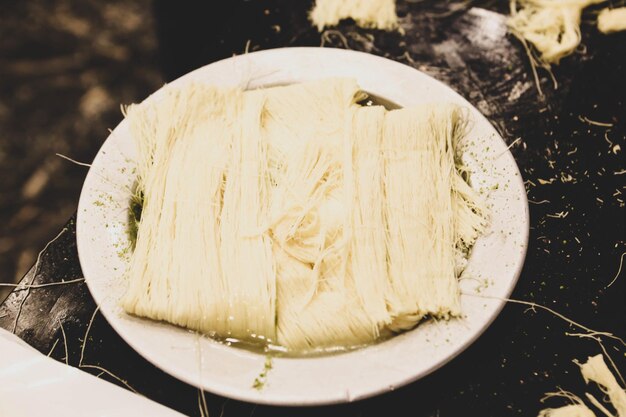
(612, 20)
(378, 14)
(294, 215)
(576, 408)
(551, 26)
(571, 410)
(595, 370)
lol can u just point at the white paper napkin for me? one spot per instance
(31, 384)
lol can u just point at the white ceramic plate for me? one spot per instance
(493, 269)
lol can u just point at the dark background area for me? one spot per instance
(66, 66)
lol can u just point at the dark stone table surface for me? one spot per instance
(575, 176)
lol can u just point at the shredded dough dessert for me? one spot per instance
(294, 216)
